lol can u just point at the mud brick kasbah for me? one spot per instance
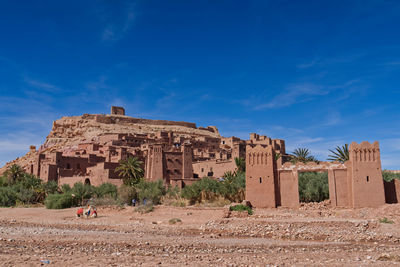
(88, 148)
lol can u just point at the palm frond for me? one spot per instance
(341, 154)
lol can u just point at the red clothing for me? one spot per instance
(80, 212)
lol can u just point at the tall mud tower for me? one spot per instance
(260, 178)
(365, 171)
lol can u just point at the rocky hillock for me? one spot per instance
(70, 131)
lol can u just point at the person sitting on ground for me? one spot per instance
(79, 213)
(87, 212)
(94, 212)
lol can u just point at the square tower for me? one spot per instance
(117, 111)
(365, 173)
(260, 178)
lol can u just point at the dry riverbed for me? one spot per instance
(315, 234)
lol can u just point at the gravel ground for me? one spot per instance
(315, 234)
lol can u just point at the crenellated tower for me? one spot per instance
(260, 178)
(365, 175)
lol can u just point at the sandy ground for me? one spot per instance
(312, 235)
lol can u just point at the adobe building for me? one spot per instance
(117, 111)
(179, 153)
(231, 148)
(96, 163)
(356, 183)
(178, 156)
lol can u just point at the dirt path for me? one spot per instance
(312, 235)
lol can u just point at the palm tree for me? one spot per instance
(302, 155)
(131, 170)
(14, 173)
(229, 176)
(340, 154)
(240, 164)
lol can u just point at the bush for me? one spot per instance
(26, 196)
(3, 181)
(31, 181)
(126, 193)
(106, 190)
(8, 197)
(313, 186)
(233, 187)
(174, 221)
(150, 191)
(241, 207)
(50, 187)
(192, 192)
(173, 192)
(204, 189)
(389, 176)
(386, 220)
(65, 188)
(145, 208)
(105, 194)
(82, 192)
(173, 197)
(61, 201)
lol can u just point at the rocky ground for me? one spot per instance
(315, 234)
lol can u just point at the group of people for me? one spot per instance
(90, 212)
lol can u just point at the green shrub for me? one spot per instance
(204, 189)
(60, 201)
(386, 220)
(241, 207)
(26, 196)
(233, 186)
(150, 191)
(82, 192)
(106, 190)
(192, 192)
(8, 197)
(149, 207)
(389, 176)
(28, 190)
(65, 188)
(174, 221)
(50, 187)
(126, 193)
(313, 186)
(173, 192)
(3, 181)
(30, 181)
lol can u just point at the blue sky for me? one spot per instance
(315, 73)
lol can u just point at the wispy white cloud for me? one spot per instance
(98, 84)
(333, 118)
(295, 94)
(323, 62)
(17, 144)
(308, 65)
(116, 29)
(304, 92)
(42, 85)
(392, 63)
(169, 99)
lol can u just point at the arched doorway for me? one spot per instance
(87, 181)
